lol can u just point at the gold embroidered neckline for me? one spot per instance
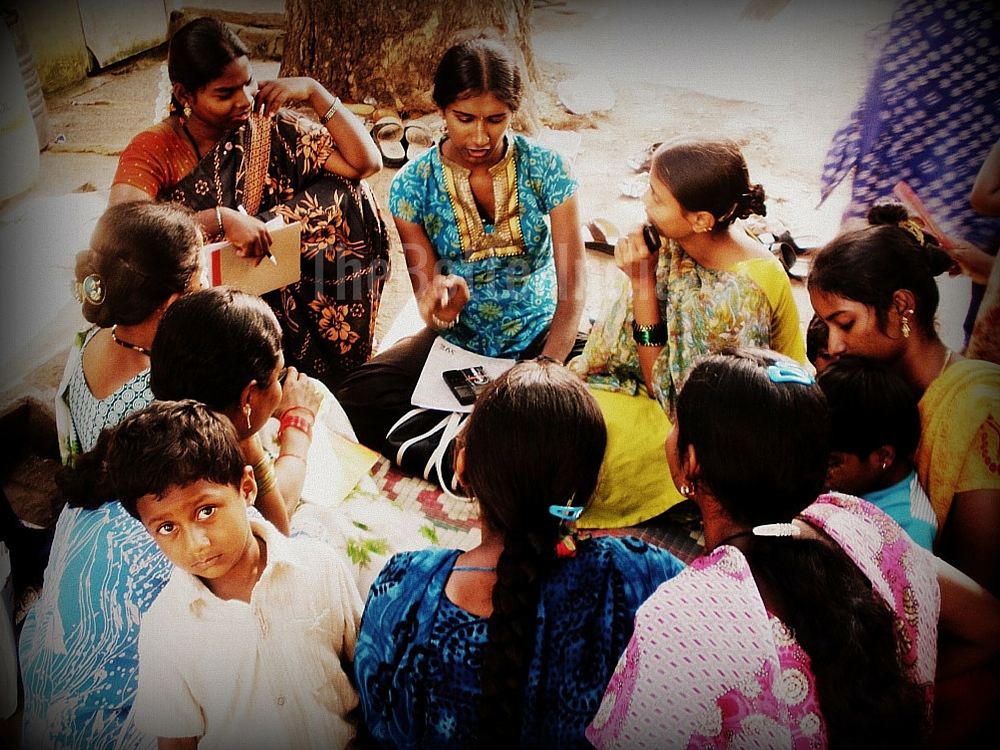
(506, 238)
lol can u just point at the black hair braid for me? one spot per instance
(511, 637)
(865, 692)
(85, 482)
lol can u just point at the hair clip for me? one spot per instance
(789, 372)
(909, 225)
(777, 529)
(566, 512)
(91, 290)
(568, 534)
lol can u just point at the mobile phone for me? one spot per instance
(466, 383)
(651, 236)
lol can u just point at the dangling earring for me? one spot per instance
(187, 111)
(247, 411)
(906, 325)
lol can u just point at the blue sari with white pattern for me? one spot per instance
(419, 655)
(79, 645)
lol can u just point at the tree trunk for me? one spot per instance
(387, 50)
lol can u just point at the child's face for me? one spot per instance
(848, 473)
(202, 527)
(823, 359)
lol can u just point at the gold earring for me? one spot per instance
(686, 490)
(906, 327)
(187, 111)
(247, 411)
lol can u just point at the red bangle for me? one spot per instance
(299, 423)
(306, 409)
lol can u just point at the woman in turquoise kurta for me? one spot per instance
(490, 228)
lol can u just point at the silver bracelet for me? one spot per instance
(440, 325)
(330, 112)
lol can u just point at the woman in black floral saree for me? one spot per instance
(233, 153)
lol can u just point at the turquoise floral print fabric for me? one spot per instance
(513, 293)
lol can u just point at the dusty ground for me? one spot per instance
(779, 85)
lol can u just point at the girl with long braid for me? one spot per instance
(808, 622)
(511, 643)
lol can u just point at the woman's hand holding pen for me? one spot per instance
(444, 299)
(247, 233)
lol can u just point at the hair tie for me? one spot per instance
(91, 290)
(910, 226)
(568, 533)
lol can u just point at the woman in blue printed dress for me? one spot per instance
(512, 643)
(77, 665)
(489, 272)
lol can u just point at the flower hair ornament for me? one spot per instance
(569, 535)
(909, 225)
(163, 106)
(91, 290)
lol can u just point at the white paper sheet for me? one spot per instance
(433, 393)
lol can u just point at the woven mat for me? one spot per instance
(457, 521)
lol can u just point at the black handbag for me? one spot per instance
(422, 442)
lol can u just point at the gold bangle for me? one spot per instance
(218, 218)
(330, 112)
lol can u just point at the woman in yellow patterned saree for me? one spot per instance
(231, 151)
(875, 289)
(710, 286)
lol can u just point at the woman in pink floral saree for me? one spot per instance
(806, 623)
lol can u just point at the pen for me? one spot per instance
(267, 253)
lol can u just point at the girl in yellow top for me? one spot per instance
(875, 289)
(710, 286)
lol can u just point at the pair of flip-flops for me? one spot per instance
(604, 235)
(784, 247)
(641, 161)
(398, 142)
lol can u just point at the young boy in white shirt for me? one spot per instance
(243, 648)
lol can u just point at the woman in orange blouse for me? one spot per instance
(233, 153)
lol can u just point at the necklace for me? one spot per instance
(126, 344)
(194, 143)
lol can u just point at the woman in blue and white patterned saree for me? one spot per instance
(76, 663)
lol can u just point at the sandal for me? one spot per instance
(417, 139)
(641, 161)
(387, 132)
(604, 235)
(386, 124)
